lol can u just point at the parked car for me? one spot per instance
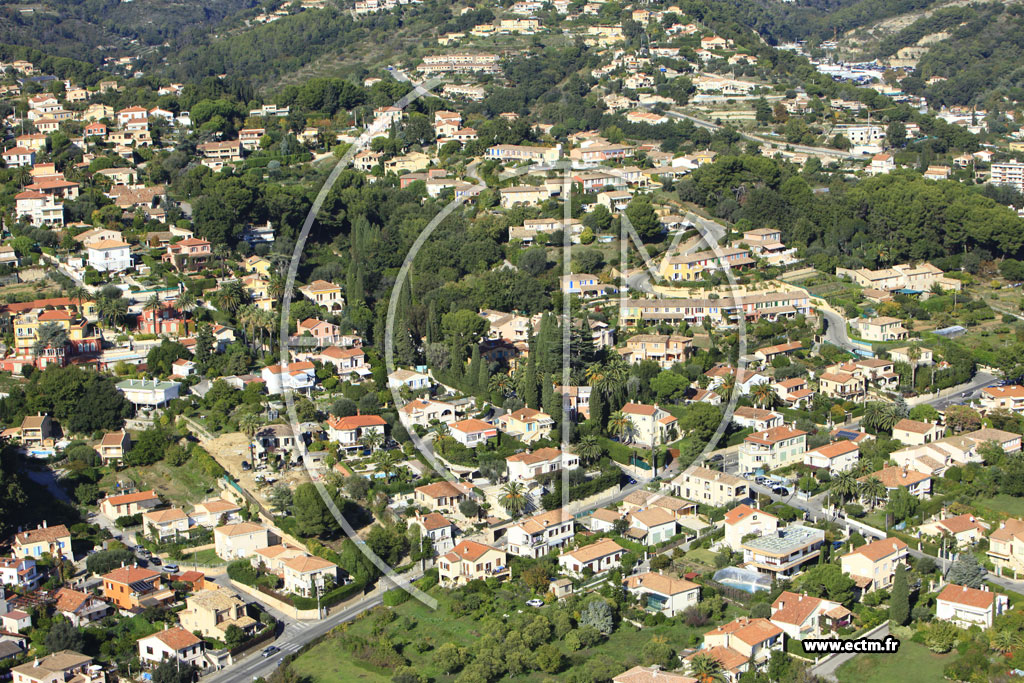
(171, 568)
(155, 560)
(536, 602)
(763, 481)
(780, 491)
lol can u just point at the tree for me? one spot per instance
(763, 395)
(536, 578)
(872, 490)
(280, 497)
(960, 418)
(827, 580)
(462, 328)
(658, 652)
(469, 508)
(249, 424)
(844, 486)
(589, 449)
(50, 335)
(706, 669)
(513, 498)
(204, 347)
(64, 636)
(311, 513)
(533, 261)
(173, 671)
(942, 637)
(598, 614)
(643, 218)
(234, 636)
(548, 658)
(965, 571)
(899, 598)
(880, 416)
(896, 134)
(902, 504)
(450, 657)
(599, 219)
(623, 427)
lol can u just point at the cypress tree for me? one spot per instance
(598, 409)
(530, 396)
(899, 598)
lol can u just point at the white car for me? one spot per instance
(536, 602)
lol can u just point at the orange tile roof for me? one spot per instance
(891, 477)
(750, 631)
(602, 548)
(794, 608)
(963, 595)
(177, 638)
(774, 435)
(877, 550)
(743, 512)
(470, 550)
(130, 574)
(659, 583)
(130, 498)
(915, 426)
(48, 534)
(836, 449)
(355, 422)
(534, 457)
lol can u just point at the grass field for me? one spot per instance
(184, 485)
(207, 557)
(1003, 503)
(416, 623)
(914, 663)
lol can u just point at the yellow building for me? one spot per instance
(27, 325)
(258, 265)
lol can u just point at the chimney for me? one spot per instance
(44, 523)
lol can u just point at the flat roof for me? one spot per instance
(785, 541)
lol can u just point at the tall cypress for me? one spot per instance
(530, 396)
(899, 598)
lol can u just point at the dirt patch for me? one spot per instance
(231, 449)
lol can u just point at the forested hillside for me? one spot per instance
(81, 29)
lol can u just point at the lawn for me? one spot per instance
(206, 557)
(702, 555)
(914, 663)
(184, 485)
(1014, 507)
(328, 661)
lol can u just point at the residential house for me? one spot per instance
(651, 674)
(472, 432)
(709, 487)
(968, 607)
(164, 524)
(191, 253)
(64, 666)
(128, 504)
(1006, 546)
(415, 381)
(769, 353)
(442, 496)
(43, 540)
(752, 639)
(526, 424)
(438, 528)
(319, 333)
(469, 561)
(114, 446)
(1010, 397)
(346, 362)
(308, 574)
(212, 612)
(349, 432)
(326, 294)
(16, 621)
(916, 483)
(873, 565)
(652, 425)
(965, 529)
(651, 526)
(916, 432)
(216, 512)
(234, 541)
(838, 456)
(298, 376)
(536, 536)
(133, 588)
(784, 552)
(743, 521)
(174, 644)
(844, 386)
(880, 329)
(772, 448)
(424, 412)
(802, 616)
(522, 195)
(664, 349)
(19, 572)
(80, 608)
(757, 418)
(659, 593)
(528, 465)
(599, 557)
(36, 430)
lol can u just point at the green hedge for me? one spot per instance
(330, 598)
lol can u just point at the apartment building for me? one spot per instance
(772, 448)
(783, 552)
(1009, 173)
(664, 349)
(709, 487)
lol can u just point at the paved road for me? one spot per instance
(827, 669)
(835, 331)
(806, 149)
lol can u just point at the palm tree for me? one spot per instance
(387, 462)
(153, 304)
(1004, 641)
(513, 498)
(589, 449)
(79, 295)
(112, 310)
(187, 301)
(231, 296)
(706, 669)
(371, 440)
(914, 354)
(844, 486)
(763, 395)
(501, 383)
(439, 428)
(873, 490)
(727, 386)
(622, 426)
(249, 424)
(658, 453)
(880, 416)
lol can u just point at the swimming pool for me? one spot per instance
(747, 586)
(743, 579)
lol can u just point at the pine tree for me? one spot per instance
(965, 571)
(899, 598)
(204, 347)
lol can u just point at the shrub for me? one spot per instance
(395, 597)
(242, 571)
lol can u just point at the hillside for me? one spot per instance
(91, 30)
